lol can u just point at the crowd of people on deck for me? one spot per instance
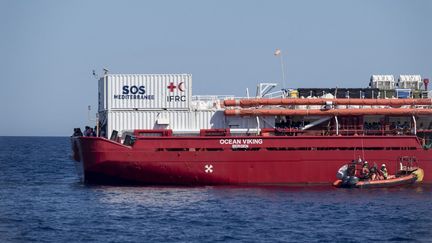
(400, 128)
(397, 127)
(393, 126)
(88, 132)
(372, 125)
(292, 124)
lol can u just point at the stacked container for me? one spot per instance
(145, 92)
(146, 101)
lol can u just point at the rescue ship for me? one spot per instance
(151, 131)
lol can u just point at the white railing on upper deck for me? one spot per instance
(276, 94)
(212, 97)
(263, 91)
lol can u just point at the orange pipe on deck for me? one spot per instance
(322, 101)
(332, 112)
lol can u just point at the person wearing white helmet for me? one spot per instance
(365, 171)
(384, 171)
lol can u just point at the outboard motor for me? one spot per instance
(347, 180)
(350, 181)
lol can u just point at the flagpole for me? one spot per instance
(283, 71)
(279, 53)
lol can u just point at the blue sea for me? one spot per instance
(43, 200)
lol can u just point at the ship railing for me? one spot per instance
(212, 97)
(275, 94)
(360, 130)
(407, 164)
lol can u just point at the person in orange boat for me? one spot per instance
(385, 173)
(351, 171)
(373, 173)
(365, 171)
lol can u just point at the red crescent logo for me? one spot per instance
(180, 86)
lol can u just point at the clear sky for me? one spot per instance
(49, 48)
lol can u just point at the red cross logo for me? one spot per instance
(171, 87)
(180, 87)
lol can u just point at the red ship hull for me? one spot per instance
(274, 160)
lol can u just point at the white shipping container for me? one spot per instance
(176, 120)
(145, 92)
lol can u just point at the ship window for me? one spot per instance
(176, 149)
(194, 149)
(246, 149)
(337, 148)
(374, 148)
(214, 149)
